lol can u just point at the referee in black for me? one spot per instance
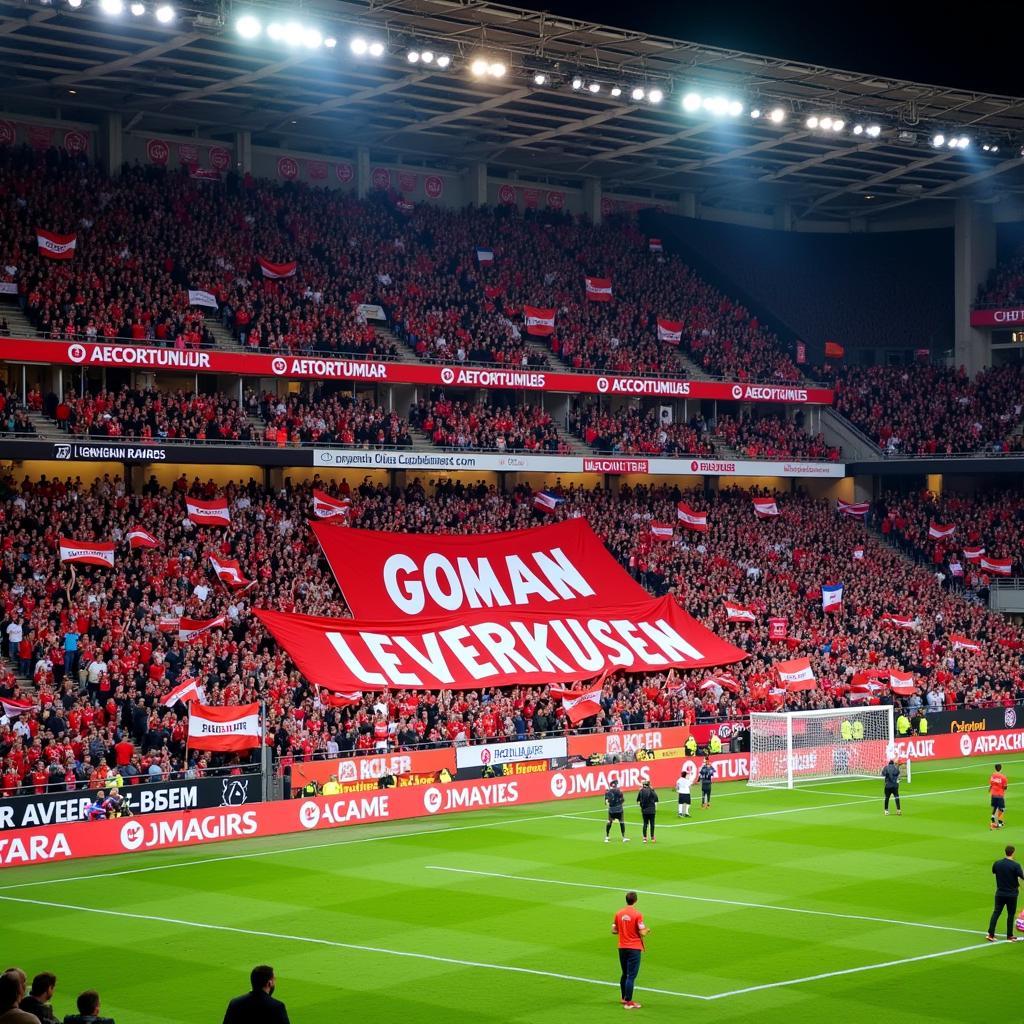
(1008, 875)
(891, 774)
(647, 798)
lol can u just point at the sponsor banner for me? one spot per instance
(973, 720)
(314, 368)
(616, 744)
(144, 798)
(723, 730)
(505, 753)
(1012, 316)
(505, 646)
(370, 767)
(434, 575)
(615, 465)
(109, 452)
(60, 842)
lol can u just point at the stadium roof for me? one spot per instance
(196, 73)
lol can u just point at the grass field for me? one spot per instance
(789, 907)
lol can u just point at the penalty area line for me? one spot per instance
(334, 943)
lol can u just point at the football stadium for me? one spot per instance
(506, 512)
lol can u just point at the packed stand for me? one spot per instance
(101, 647)
(477, 426)
(933, 410)
(774, 437)
(1005, 284)
(331, 418)
(633, 432)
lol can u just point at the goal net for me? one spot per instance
(799, 746)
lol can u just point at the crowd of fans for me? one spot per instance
(1005, 284)
(331, 418)
(773, 437)
(102, 649)
(475, 425)
(634, 432)
(933, 410)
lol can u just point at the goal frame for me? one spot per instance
(834, 713)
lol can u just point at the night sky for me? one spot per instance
(979, 49)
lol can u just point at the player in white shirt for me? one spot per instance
(683, 784)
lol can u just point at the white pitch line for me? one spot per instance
(847, 970)
(284, 937)
(704, 899)
(270, 853)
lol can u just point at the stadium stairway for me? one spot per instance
(841, 433)
(689, 368)
(222, 337)
(17, 323)
(46, 429)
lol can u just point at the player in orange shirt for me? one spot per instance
(630, 928)
(997, 784)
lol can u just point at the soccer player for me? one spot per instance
(615, 800)
(997, 784)
(891, 774)
(1008, 875)
(647, 798)
(630, 928)
(706, 776)
(683, 785)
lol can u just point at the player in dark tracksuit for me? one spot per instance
(706, 776)
(647, 798)
(891, 774)
(615, 799)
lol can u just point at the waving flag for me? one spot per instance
(778, 628)
(670, 330)
(484, 255)
(12, 707)
(661, 531)
(277, 270)
(545, 501)
(856, 509)
(654, 245)
(87, 552)
(864, 691)
(208, 513)
(229, 572)
(185, 693)
(765, 508)
(54, 246)
(739, 612)
(339, 700)
(973, 553)
(581, 704)
(832, 598)
(901, 683)
(140, 538)
(963, 643)
(696, 521)
(539, 321)
(999, 566)
(956, 568)
(189, 629)
(858, 553)
(599, 289)
(796, 674)
(939, 532)
(230, 728)
(326, 507)
(722, 681)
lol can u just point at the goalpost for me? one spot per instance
(801, 746)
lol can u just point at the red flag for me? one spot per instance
(54, 246)
(696, 521)
(778, 628)
(833, 350)
(189, 629)
(581, 704)
(654, 245)
(229, 572)
(739, 612)
(276, 270)
(765, 508)
(901, 683)
(186, 692)
(140, 538)
(599, 289)
(670, 331)
(973, 553)
(326, 507)
(796, 674)
(339, 700)
(1000, 566)
(227, 728)
(661, 531)
(12, 707)
(963, 643)
(87, 552)
(856, 509)
(939, 532)
(208, 513)
(858, 553)
(539, 321)
(900, 621)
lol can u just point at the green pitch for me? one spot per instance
(776, 906)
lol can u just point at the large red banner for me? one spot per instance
(50, 843)
(317, 368)
(496, 648)
(548, 567)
